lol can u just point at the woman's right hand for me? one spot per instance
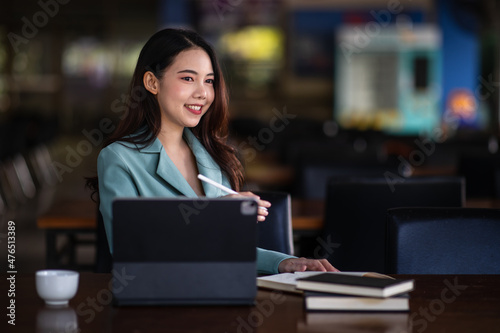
(303, 264)
(263, 204)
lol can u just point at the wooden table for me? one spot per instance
(307, 215)
(439, 303)
(67, 219)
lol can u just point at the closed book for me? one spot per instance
(288, 281)
(316, 301)
(355, 285)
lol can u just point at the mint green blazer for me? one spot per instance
(126, 171)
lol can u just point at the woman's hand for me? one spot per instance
(302, 264)
(263, 205)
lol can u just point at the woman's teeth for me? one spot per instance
(194, 107)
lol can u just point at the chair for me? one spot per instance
(355, 216)
(443, 241)
(20, 179)
(2, 205)
(42, 166)
(481, 171)
(276, 232)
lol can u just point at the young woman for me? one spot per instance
(176, 127)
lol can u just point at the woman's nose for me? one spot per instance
(200, 92)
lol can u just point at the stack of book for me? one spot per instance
(354, 293)
(344, 292)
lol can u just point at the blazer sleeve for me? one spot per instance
(115, 180)
(268, 261)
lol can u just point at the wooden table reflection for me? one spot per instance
(439, 303)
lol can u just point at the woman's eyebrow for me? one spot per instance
(193, 72)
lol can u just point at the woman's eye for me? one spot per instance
(210, 81)
(187, 78)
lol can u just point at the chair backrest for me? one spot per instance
(2, 204)
(276, 232)
(42, 165)
(443, 241)
(355, 217)
(10, 194)
(19, 178)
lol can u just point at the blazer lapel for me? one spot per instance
(206, 165)
(168, 171)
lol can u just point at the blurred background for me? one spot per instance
(392, 87)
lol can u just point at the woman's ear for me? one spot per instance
(150, 82)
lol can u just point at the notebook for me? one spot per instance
(183, 251)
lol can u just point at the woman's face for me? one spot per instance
(186, 89)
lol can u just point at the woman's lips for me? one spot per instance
(194, 108)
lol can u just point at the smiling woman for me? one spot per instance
(184, 94)
(177, 130)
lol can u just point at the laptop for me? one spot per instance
(184, 251)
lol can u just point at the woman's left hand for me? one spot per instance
(302, 264)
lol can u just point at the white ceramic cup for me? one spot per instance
(56, 287)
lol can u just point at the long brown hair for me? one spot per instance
(143, 110)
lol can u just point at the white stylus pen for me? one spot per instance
(220, 186)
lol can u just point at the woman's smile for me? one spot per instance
(194, 108)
